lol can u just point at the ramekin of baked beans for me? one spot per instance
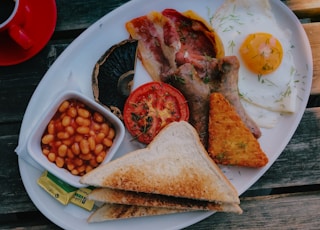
(75, 135)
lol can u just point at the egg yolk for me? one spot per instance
(262, 53)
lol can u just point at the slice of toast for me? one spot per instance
(120, 211)
(107, 195)
(230, 141)
(175, 164)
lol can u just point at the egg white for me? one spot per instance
(265, 97)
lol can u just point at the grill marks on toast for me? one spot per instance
(119, 211)
(108, 195)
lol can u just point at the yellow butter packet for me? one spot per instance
(57, 188)
(80, 198)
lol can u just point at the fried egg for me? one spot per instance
(249, 30)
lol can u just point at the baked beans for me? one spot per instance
(77, 138)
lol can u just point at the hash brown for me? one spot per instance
(230, 141)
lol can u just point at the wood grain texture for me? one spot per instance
(78, 15)
(302, 8)
(287, 211)
(298, 165)
(311, 11)
(18, 82)
(313, 33)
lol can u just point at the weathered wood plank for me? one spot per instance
(311, 10)
(269, 212)
(265, 212)
(14, 198)
(78, 15)
(85, 13)
(313, 31)
(31, 221)
(304, 8)
(18, 82)
(298, 165)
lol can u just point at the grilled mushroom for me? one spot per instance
(113, 75)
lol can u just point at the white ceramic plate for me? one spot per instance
(78, 61)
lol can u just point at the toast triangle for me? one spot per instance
(175, 163)
(115, 196)
(120, 211)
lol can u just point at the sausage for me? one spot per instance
(228, 77)
(197, 93)
(198, 78)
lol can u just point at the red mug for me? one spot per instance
(14, 15)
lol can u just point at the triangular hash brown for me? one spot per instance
(230, 141)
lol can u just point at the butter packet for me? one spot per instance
(80, 198)
(57, 188)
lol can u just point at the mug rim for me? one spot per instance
(13, 13)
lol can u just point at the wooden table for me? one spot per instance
(286, 197)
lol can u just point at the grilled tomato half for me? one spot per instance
(152, 106)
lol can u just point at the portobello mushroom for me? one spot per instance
(113, 75)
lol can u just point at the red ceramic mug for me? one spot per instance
(13, 16)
